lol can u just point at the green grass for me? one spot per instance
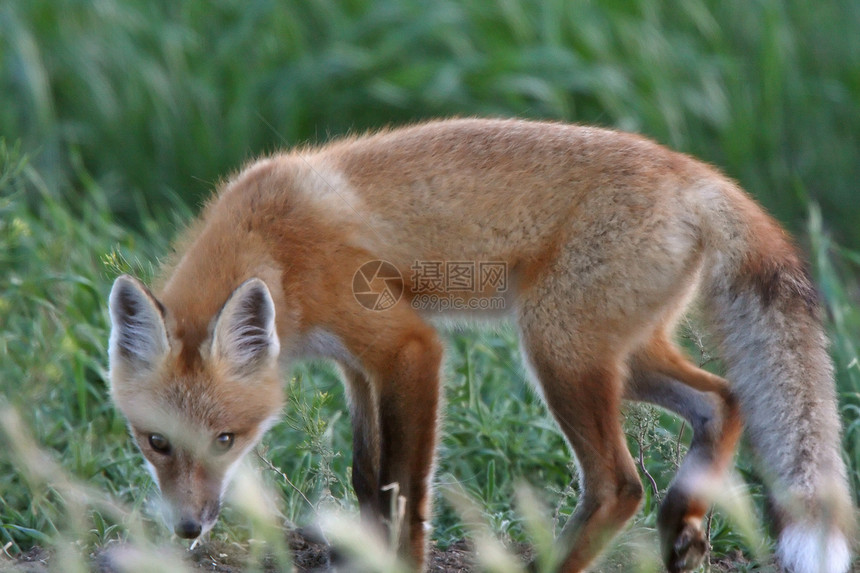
(117, 118)
(162, 98)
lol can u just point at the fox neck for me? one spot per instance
(202, 281)
(279, 237)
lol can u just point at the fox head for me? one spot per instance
(193, 420)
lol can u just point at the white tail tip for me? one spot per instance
(805, 548)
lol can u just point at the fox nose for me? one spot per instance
(188, 529)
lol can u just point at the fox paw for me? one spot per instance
(688, 549)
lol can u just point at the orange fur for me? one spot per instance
(605, 237)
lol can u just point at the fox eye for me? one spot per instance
(159, 443)
(223, 442)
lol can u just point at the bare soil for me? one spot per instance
(309, 556)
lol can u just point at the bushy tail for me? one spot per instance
(767, 315)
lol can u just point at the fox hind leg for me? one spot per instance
(586, 404)
(668, 380)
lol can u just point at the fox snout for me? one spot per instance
(191, 506)
(191, 492)
(189, 524)
(188, 528)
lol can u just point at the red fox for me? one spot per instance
(604, 238)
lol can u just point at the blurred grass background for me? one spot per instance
(118, 117)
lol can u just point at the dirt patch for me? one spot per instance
(308, 553)
(735, 560)
(33, 561)
(457, 558)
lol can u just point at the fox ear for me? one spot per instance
(138, 338)
(245, 338)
